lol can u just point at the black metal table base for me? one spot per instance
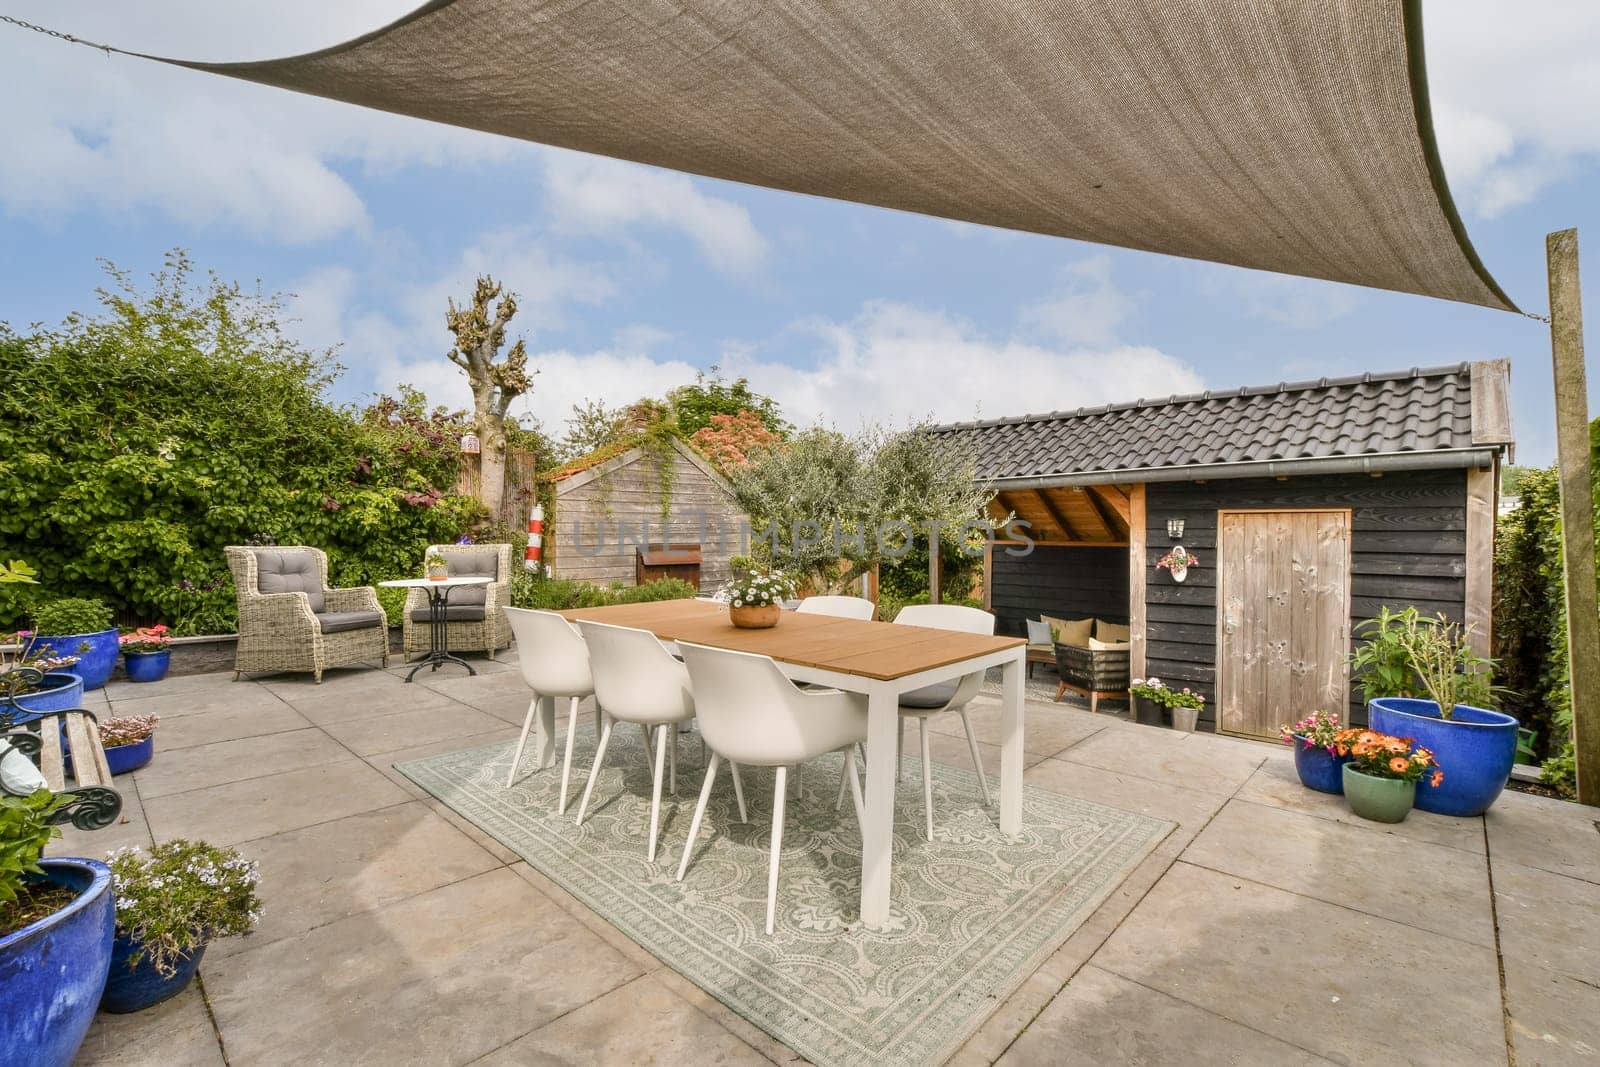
(438, 636)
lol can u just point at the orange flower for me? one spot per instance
(1399, 764)
(1397, 746)
(1438, 776)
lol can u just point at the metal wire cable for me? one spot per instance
(58, 35)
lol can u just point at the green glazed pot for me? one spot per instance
(1378, 799)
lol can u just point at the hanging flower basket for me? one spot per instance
(1177, 562)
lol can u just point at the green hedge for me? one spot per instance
(136, 443)
(563, 594)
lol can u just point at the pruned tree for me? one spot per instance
(479, 338)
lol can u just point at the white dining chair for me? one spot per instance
(844, 607)
(923, 704)
(555, 663)
(637, 680)
(751, 714)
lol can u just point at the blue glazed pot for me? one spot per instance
(95, 662)
(142, 986)
(53, 972)
(1475, 748)
(1318, 768)
(60, 692)
(125, 758)
(146, 666)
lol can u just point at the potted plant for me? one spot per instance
(56, 927)
(32, 683)
(1383, 774)
(435, 566)
(1149, 698)
(755, 598)
(146, 653)
(1317, 759)
(171, 904)
(1422, 680)
(78, 626)
(1177, 562)
(129, 741)
(1185, 705)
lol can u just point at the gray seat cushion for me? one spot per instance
(287, 571)
(334, 622)
(930, 696)
(470, 565)
(453, 612)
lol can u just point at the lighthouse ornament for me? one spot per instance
(530, 558)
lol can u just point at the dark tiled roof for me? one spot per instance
(1411, 411)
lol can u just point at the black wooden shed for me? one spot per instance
(1310, 505)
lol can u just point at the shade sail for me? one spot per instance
(1290, 135)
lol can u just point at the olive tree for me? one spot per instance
(830, 506)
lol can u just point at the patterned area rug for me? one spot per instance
(974, 913)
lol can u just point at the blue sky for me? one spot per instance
(631, 278)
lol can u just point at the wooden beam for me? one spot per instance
(1136, 580)
(988, 575)
(1059, 519)
(1577, 506)
(1480, 558)
(1108, 518)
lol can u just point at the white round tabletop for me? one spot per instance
(433, 583)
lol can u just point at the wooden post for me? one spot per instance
(1480, 557)
(933, 568)
(1136, 580)
(1577, 507)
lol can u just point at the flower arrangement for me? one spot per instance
(755, 589)
(145, 639)
(435, 566)
(181, 896)
(127, 730)
(1385, 756)
(1320, 729)
(1179, 559)
(1157, 692)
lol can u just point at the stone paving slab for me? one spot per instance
(392, 933)
(1308, 972)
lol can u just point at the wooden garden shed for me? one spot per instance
(651, 511)
(1310, 506)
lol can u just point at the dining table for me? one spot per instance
(880, 661)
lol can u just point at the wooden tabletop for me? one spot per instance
(877, 650)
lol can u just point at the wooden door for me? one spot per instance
(1283, 617)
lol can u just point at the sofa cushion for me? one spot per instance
(1097, 645)
(930, 696)
(335, 622)
(287, 571)
(1039, 633)
(1070, 631)
(1111, 631)
(453, 613)
(18, 775)
(471, 565)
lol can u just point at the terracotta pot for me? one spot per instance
(755, 617)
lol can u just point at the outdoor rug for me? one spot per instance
(974, 913)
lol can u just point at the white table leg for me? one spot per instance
(877, 835)
(1011, 746)
(544, 733)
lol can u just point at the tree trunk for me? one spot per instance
(492, 460)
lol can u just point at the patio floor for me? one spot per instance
(1271, 927)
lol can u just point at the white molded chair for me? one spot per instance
(637, 680)
(751, 713)
(922, 704)
(555, 663)
(845, 607)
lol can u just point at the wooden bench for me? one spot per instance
(94, 803)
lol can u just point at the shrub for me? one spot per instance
(564, 594)
(180, 896)
(71, 615)
(1409, 654)
(136, 442)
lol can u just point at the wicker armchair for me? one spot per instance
(476, 616)
(290, 620)
(1094, 672)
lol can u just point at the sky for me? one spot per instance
(631, 278)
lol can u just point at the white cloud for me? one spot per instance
(1512, 95)
(589, 194)
(1087, 310)
(117, 135)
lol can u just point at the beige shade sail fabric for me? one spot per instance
(1285, 135)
